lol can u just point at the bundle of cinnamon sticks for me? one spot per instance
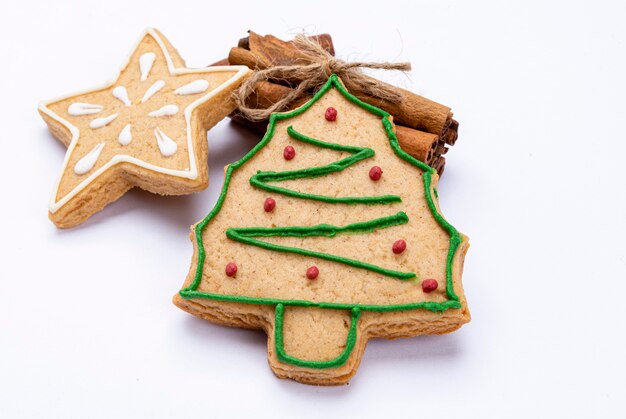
(425, 129)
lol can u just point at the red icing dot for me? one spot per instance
(289, 153)
(429, 285)
(231, 269)
(376, 172)
(312, 272)
(269, 205)
(331, 114)
(398, 246)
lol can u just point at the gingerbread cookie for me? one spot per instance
(146, 128)
(326, 235)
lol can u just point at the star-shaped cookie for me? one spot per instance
(146, 128)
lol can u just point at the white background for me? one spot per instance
(536, 180)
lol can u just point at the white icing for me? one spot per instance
(120, 93)
(57, 202)
(167, 146)
(87, 162)
(166, 110)
(158, 85)
(146, 61)
(193, 88)
(79, 108)
(101, 122)
(125, 136)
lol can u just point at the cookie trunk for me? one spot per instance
(315, 345)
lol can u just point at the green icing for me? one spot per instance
(336, 362)
(358, 154)
(244, 235)
(261, 178)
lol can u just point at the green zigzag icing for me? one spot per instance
(246, 234)
(455, 240)
(359, 153)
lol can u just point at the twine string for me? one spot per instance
(312, 76)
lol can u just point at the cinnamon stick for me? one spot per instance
(267, 93)
(413, 111)
(418, 144)
(440, 149)
(223, 61)
(453, 133)
(439, 165)
(323, 39)
(267, 51)
(257, 51)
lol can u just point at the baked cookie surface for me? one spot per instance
(325, 235)
(146, 128)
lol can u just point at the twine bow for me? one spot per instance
(314, 75)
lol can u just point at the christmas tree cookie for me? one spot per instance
(326, 235)
(146, 128)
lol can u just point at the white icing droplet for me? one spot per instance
(86, 163)
(167, 146)
(166, 110)
(145, 64)
(101, 122)
(121, 93)
(79, 108)
(125, 136)
(193, 88)
(158, 85)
